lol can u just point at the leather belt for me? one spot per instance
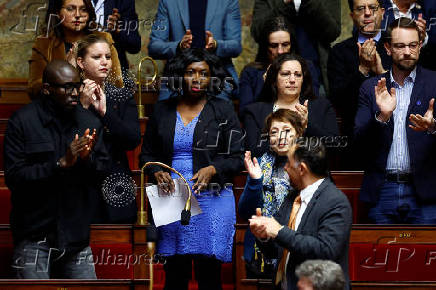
(399, 177)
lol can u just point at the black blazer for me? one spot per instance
(128, 39)
(345, 78)
(218, 139)
(376, 138)
(323, 233)
(322, 122)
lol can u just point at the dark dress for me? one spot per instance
(211, 232)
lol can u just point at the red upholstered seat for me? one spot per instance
(5, 205)
(114, 261)
(6, 251)
(392, 262)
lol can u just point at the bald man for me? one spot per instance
(50, 168)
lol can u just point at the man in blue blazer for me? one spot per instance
(121, 20)
(182, 24)
(395, 126)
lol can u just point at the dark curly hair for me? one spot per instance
(175, 71)
(269, 91)
(54, 8)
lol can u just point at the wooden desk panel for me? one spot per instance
(140, 284)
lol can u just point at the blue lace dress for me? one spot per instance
(209, 233)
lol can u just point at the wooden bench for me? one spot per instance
(381, 257)
(115, 284)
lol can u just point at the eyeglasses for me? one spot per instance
(69, 87)
(73, 9)
(361, 9)
(413, 46)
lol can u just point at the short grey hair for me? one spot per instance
(324, 274)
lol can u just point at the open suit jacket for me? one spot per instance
(223, 19)
(323, 233)
(376, 138)
(217, 139)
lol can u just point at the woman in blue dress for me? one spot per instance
(199, 136)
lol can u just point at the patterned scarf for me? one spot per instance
(275, 182)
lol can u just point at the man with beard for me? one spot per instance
(395, 123)
(51, 173)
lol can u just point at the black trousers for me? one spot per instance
(178, 272)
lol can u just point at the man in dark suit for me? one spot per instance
(314, 221)
(395, 125)
(355, 59)
(120, 19)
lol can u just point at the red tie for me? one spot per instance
(291, 224)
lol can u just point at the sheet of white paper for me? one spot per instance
(167, 207)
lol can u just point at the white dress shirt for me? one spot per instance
(306, 195)
(297, 4)
(398, 158)
(99, 11)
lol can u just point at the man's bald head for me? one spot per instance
(57, 70)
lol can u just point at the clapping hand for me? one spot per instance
(92, 94)
(112, 21)
(72, 55)
(87, 93)
(252, 166)
(423, 123)
(303, 111)
(387, 102)
(210, 41)
(100, 101)
(90, 141)
(421, 23)
(367, 55)
(186, 40)
(264, 227)
(79, 147)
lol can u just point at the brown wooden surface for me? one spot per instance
(393, 285)
(14, 91)
(110, 235)
(404, 234)
(116, 284)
